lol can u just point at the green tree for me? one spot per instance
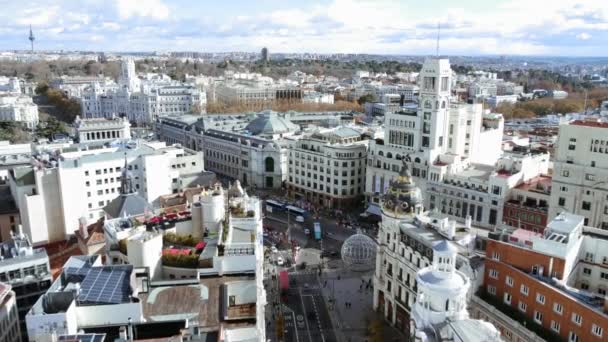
(50, 127)
(365, 98)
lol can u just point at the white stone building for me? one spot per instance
(59, 189)
(406, 241)
(20, 108)
(580, 172)
(440, 312)
(9, 319)
(327, 167)
(101, 129)
(436, 139)
(141, 100)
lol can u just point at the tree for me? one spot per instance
(50, 127)
(42, 88)
(365, 98)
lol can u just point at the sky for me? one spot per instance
(468, 27)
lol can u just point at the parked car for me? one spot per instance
(280, 261)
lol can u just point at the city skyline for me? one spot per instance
(511, 27)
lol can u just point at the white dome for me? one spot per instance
(359, 252)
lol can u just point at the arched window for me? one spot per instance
(442, 104)
(269, 164)
(428, 104)
(389, 155)
(381, 154)
(398, 157)
(417, 160)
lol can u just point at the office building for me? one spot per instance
(580, 172)
(555, 281)
(27, 271)
(9, 318)
(406, 239)
(60, 188)
(327, 167)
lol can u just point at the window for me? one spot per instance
(572, 337)
(495, 256)
(561, 201)
(558, 308)
(589, 177)
(269, 164)
(507, 298)
(597, 330)
(524, 290)
(509, 281)
(572, 144)
(555, 326)
(522, 306)
(576, 318)
(538, 317)
(586, 205)
(491, 290)
(493, 273)
(586, 271)
(540, 298)
(565, 173)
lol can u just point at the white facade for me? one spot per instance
(141, 100)
(9, 318)
(327, 167)
(53, 195)
(61, 310)
(442, 298)
(494, 101)
(18, 108)
(437, 139)
(102, 129)
(580, 175)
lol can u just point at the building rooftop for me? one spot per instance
(565, 223)
(270, 123)
(19, 249)
(200, 301)
(588, 123)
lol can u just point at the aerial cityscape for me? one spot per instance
(323, 171)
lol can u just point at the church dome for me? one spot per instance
(402, 197)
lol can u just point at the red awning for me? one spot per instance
(284, 280)
(200, 245)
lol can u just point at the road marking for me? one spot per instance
(305, 314)
(314, 306)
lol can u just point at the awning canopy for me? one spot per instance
(374, 210)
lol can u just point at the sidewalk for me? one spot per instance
(350, 323)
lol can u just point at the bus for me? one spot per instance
(296, 211)
(274, 206)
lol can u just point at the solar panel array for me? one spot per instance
(106, 285)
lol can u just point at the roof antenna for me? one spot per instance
(438, 35)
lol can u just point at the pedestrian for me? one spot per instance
(325, 284)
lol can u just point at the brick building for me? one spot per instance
(549, 278)
(528, 205)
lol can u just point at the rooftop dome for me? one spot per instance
(402, 197)
(359, 252)
(269, 123)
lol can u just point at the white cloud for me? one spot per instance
(583, 36)
(136, 8)
(38, 17)
(109, 25)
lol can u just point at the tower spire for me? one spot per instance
(438, 36)
(32, 38)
